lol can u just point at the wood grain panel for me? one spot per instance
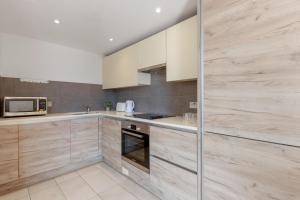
(8, 153)
(175, 146)
(242, 169)
(43, 147)
(100, 137)
(171, 182)
(84, 139)
(252, 57)
(28, 181)
(111, 146)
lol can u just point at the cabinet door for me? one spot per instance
(120, 69)
(242, 169)
(84, 139)
(182, 51)
(43, 147)
(171, 182)
(152, 51)
(100, 136)
(111, 145)
(175, 146)
(8, 154)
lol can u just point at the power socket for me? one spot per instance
(125, 171)
(193, 105)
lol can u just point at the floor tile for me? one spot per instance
(52, 193)
(76, 189)
(115, 193)
(42, 186)
(95, 198)
(116, 176)
(18, 195)
(138, 191)
(87, 170)
(99, 181)
(66, 177)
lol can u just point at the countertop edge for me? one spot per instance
(70, 116)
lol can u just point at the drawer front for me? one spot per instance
(84, 139)
(236, 168)
(111, 144)
(170, 182)
(175, 146)
(8, 154)
(43, 147)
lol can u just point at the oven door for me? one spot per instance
(135, 149)
(20, 106)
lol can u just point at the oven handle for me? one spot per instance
(133, 134)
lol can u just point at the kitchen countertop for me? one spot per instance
(178, 123)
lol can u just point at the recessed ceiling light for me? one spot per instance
(111, 39)
(56, 21)
(158, 10)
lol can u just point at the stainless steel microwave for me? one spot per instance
(24, 106)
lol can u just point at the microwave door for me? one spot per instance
(22, 106)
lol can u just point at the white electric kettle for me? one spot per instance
(129, 106)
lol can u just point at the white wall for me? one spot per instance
(27, 58)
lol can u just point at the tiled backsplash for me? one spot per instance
(65, 97)
(159, 97)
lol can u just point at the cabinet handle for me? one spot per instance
(133, 134)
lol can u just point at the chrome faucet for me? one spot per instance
(88, 109)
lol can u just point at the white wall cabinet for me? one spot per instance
(152, 52)
(182, 51)
(176, 48)
(120, 70)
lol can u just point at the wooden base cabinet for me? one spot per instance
(111, 146)
(174, 146)
(8, 154)
(242, 169)
(170, 182)
(84, 139)
(43, 147)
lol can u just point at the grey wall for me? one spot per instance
(161, 96)
(66, 97)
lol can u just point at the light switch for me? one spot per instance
(193, 105)
(125, 171)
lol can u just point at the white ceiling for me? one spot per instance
(88, 24)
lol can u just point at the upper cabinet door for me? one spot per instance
(120, 70)
(152, 51)
(182, 51)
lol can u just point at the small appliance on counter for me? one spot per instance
(121, 107)
(24, 106)
(129, 106)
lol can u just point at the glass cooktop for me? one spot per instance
(150, 116)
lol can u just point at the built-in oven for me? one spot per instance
(24, 106)
(135, 144)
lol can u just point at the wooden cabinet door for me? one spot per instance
(8, 154)
(174, 146)
(170, 182)
(242, 169)
(182, 51)
(111, 146)
(43, 147)
(84, 139)
(100, 136)
(152, 51)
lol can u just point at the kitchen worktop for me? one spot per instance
(178, 122)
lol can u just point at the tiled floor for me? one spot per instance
(98, 182)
